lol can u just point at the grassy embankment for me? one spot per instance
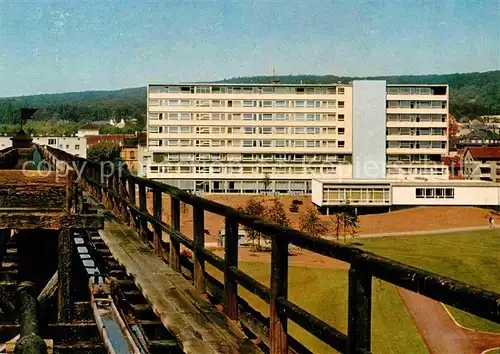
(471, 257)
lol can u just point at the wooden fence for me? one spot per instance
(119, 191)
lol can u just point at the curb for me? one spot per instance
(466, 328)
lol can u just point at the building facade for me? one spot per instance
(72, 144)
(238, 138)
(482, 163)
(387, 193)
(248, 138)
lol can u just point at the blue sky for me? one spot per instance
(74, 45)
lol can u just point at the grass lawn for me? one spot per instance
(471, 257)
(323, 292)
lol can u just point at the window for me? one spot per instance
(299, 143)
(434, 193)
(280, 116)
(248, 130)
(52, 142)
(341, 131)
(341, 90)
(340, 144)
(267, 103)
(266, 143)
(341, 118)
(247, 143)
(267, 130)
(267, 116)
(154, 169)
(248, 103)
(280, 143)
(77, 147)
(279, 130)
(340, 104)
(247, 116)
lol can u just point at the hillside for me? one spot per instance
(470, 94)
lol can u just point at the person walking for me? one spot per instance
(492, 222)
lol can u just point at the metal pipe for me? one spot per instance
(30, 341)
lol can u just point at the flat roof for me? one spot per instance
(410, 183)
(419, 85)
(250, 85)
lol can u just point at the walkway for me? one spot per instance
(429, 232)
(440, 332)
(198, 326)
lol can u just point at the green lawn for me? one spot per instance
(472, 257)
(323, 292)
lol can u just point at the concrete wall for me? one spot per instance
(369, 127)
(487, 196)
(317, 192)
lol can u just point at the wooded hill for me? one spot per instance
(471, 94)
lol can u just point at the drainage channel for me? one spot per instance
(117, 337)
(145, 326)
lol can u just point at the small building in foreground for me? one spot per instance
(387, 193)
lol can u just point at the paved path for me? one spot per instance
(197, 324)
(440, 332)
(429, 232)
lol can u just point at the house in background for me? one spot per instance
(482, 163)
(132, 148)
(88, 129)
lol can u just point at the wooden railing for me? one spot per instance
(118, 192)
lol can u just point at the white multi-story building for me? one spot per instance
(248, 138)
(72, 144)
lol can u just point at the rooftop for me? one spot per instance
(411, 183)
(484, 152)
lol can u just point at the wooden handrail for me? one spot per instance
(364, 265)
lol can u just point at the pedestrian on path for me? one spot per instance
(492, 222)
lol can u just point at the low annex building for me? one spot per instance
(387, 193)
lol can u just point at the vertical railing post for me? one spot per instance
(116, 191)
(131, 199)
(64, 271)
(143, 208)
(359, 308)
(123, 201)
(231, 260)
(157, 211)
(279, 289)
(175, 223)
(70, 190)
(199, 244)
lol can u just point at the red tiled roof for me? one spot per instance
(454, 161)
(485, 152)
(115, 138)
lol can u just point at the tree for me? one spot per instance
(311, 223)
(345, 221)
(104, 152)
(276, 213)
(267, 182)
(257, 209)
